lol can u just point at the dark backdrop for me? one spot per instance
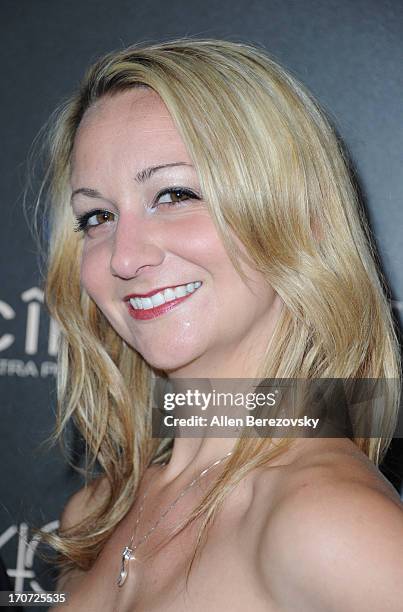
(348, 53)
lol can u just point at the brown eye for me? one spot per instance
(99, 218)
(175, 196)
(92, 219)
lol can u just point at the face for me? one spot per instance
(147, 232)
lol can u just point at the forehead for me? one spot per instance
(141, 104)
(136, 119)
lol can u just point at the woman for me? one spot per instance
(200, 173)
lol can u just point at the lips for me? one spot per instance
(159, 301)
(150, 293)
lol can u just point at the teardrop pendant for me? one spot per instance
(127, 555)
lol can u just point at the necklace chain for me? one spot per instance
(128, 551)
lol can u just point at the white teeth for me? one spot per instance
(157, 299)
(167, 295)
(180, 291)
(147, 303)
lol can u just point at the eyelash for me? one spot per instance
(82, 220)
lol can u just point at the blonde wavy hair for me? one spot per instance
(273, 172)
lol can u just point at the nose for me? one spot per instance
(135, 247)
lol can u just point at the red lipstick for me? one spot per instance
(150, 293)
(156, 311)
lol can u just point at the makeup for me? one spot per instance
(159, 301)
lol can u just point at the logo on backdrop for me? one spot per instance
(28, 337)
(24, 571)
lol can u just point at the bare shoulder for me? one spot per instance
(79, 506)
(334, 538)
(82, 503)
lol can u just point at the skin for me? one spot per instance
(163, 246)
(319, 510)
(142, 248)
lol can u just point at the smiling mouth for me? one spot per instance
(153, 306)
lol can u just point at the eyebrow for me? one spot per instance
(141, 177)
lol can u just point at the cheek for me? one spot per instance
(200, 243)
(94, 272)
(232, 297)
(97, 281)
(240, 300)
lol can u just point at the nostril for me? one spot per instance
(129, 264)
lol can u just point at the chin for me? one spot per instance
(169, 363)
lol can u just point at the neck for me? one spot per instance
(192, 455)
(240, 364)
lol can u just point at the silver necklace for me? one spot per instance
(128, 551)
